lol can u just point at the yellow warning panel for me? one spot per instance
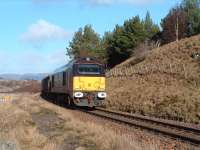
(89, 84)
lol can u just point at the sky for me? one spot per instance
(34, 34)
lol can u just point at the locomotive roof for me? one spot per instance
(87, 60)
(63, 68)
(77, 60)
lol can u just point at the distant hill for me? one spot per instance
(39, 76)
(29, 76)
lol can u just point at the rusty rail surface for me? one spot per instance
(181, 131)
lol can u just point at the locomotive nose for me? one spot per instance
(89, 83)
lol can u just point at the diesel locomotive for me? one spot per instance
(81, 82)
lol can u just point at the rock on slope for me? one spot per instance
(165, 84)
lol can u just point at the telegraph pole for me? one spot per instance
(177, 26)
(177, 29)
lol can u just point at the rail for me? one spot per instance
(181, 131)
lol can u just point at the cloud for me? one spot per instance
(48, 1)
(99, 2)
(137, 2)
(43, 31)
(30, 61)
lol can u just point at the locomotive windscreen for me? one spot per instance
(89, 69)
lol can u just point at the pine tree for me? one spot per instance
(124, 39)
(192, 8)
(149, 26)
(86, 42)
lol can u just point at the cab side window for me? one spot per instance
(64, 78)
(53, 81)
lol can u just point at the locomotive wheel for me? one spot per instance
(70, 101)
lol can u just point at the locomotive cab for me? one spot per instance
(89, 83)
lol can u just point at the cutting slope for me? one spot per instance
(165, 84)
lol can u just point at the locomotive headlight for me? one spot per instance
(102, 95)
(78, 94)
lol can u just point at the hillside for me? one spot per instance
(13, 86)
(165, 84)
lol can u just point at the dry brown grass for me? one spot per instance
(165, 84)
(19, 86)
(32, 123)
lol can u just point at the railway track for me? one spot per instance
(173, 129)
